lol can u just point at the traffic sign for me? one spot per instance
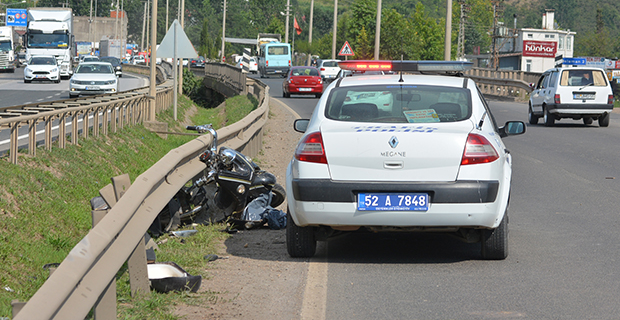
(346, 50)
(574, 61)
(16, 17)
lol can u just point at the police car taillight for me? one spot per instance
(405, 66)
(478, 150)
(311, 149)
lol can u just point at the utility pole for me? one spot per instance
(310, 32)
(153, 84)
(499, 32)
(335, 29)
(90, 24)
(181, 64)
(378, 30)
(222, 57)
(143, 27)
(448, 40)
(288, 13)
(460, 47)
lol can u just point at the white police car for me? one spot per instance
(412, 152)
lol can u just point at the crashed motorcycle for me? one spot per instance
(221, 192)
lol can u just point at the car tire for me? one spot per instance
(587, 120)
(27, 81)
(549, 118)
(300, 241)
(73, 95)
(532, 118)
(494, 243)
(603, 120)
(279, 194)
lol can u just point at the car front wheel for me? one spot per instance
(495, 242)
(300, 241)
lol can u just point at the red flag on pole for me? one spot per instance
(297, 27)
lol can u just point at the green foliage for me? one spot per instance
(276, 26)
(429, 34)
(397, 36)
(363, 16)
(364, 47)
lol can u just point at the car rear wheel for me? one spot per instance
(603, 120)
(549, 118)
(495, 242)
(300, 241)
(587, 120)
(533, 119)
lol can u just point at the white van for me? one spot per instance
(575, 93)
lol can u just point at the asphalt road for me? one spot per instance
(563, 259)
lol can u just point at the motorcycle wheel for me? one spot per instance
(279, 194)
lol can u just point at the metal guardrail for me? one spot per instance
(108, 112)
(84, 279)
(503, 83)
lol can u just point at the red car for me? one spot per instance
(303, 80)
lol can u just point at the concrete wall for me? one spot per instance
(101, 27)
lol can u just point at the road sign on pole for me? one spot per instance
(346, 50)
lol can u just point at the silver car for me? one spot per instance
(93, 78)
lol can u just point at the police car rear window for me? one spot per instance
(399, 104)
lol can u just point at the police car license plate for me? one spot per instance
(392, 202)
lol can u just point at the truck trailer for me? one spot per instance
(7, 49)
(49, 32)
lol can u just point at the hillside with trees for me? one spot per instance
(411, 28)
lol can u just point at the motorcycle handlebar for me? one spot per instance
(193, 128)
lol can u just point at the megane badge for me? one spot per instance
(393, 142)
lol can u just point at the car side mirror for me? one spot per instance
(512, 128)
(300, 125)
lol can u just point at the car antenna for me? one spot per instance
(401, 69)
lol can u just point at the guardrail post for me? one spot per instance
(14, 143)
(138, 273)
(113, 117)
(96, 122)
(104, 121)
(32, 137)
(48, 133)
(74, 127)
(105, 307)
(62, 131)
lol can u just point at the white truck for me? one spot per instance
(49, 32)
(7, 49)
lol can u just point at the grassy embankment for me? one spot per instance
(45, 209)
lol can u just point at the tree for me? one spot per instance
(364, 49)
(397, 36)
(363, 15)
(430, 34)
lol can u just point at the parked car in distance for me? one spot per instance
(138, 60)
(88, 58)
(412, 153)
(93, 78)
(116, 63)
(302, 80)
(329, 69)
(197, 62)
(21, 58)
(574, 93)
(253, 65)
(41, 68)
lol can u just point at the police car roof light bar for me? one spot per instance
(407, 66)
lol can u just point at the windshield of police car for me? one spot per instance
(399, 104)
